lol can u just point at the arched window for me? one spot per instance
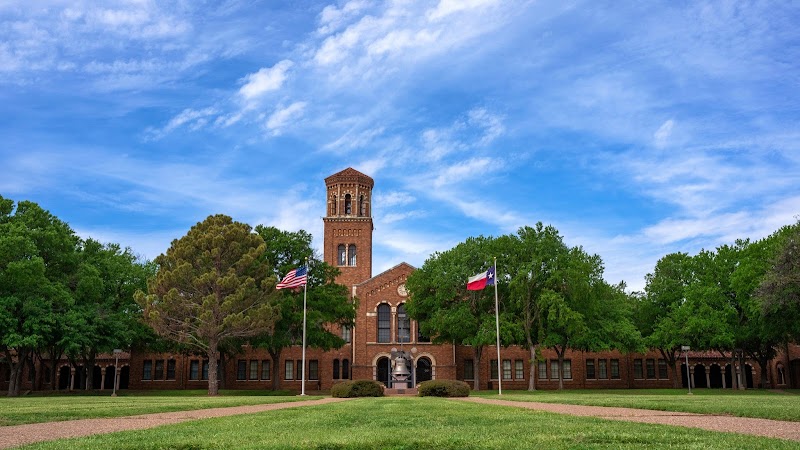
(333, 206)
(348, 207)
(345, 369)
(781, 374)
(384, 323)
(342, 255)
(403, 325)
(351, 253)
(335, 369)
(362, 209)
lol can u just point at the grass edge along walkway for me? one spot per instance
(730, 424)
(16, 435)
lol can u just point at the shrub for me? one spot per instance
(357, 388)
(443, 388)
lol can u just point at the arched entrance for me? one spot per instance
(63, 378)
(715, 376)
(124, 377)
(684, 376)
(382, 370)
(700, 376)
(748, 374)
(97, 375)
(729, 377)
(794, 373)
(109, 381)
(80, 379)
(424, 370)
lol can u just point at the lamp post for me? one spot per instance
(685, 349)
(117, 351)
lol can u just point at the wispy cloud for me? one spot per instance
(282, 116)
(267, 79)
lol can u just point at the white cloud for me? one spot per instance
(394, 198)
(267, 79)
(282, 116)
(661, 136)
(448, 7)
(332, 18)
(193, 118)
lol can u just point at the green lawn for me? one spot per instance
(749, 403)
(35, 409)
(414, 423)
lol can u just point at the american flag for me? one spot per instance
(294, 278)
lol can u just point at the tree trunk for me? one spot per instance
(275, 354)
(560, 354)
(532, 378)
(15, 380)
(734, 376)
(88, 365)
(477, 351)
(213, 382)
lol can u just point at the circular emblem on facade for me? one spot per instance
(401, 290)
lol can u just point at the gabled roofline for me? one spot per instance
(386, 271)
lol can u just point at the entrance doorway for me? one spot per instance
(424, 370)
(383, 369)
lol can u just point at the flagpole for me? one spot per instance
(303, 369)
(497, 325)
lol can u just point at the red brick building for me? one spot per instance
(382, 326)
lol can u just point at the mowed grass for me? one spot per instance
(749, 403)
(36, 409)
(414, 423)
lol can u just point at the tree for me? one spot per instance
(37, 258)
(442, 305)
(212, 284)
(779, 290)
(327, 303)
(587, 313)
(539, 258)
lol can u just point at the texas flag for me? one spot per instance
(481, 280)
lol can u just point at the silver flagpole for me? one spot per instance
(497, 325)
(303, 369)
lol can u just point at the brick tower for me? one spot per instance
(348, 226)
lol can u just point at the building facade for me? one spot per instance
(382, 326)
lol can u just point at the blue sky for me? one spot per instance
(635, 128)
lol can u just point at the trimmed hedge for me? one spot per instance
(357, 388)
(443, 388)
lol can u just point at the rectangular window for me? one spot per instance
(147, 370)
(194, 370)
(205, 370)
(384, 323)
(253, 369)
(288, 370)
(469, 370)
(159, 375)
(347, 333)
(298, 371)
(542, 370)
(567, 369)
(554, 369)
(602, 369)
(637, 369)
(506, 369)
(345, 369)
(313, 369)
(493, 369)
(590, 373)
(241, 369)
(651, 369)
(662, 369)
(615, 369)
(265, 370)
(519, 369)
(171, 369)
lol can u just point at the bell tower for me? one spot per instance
(348, 226)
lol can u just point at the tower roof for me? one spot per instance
(350, 175)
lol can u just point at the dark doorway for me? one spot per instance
(80, 379)
(424, 370)
(109, 381)
(700, 376)
(794, 373)
(63, 378)
(684, 376)
(715, 375)
(383, 369)
(124, 377)
(97, 377)
(729, 377)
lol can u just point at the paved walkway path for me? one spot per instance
(16, 435)
(743, 425)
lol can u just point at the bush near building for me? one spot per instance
(357, 388)
(443, 388)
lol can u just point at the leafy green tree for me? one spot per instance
(443, 306)
(538, 262)
(587, 314)
(779, 290)
(37, 258)
(327, 303)
(212, 284)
